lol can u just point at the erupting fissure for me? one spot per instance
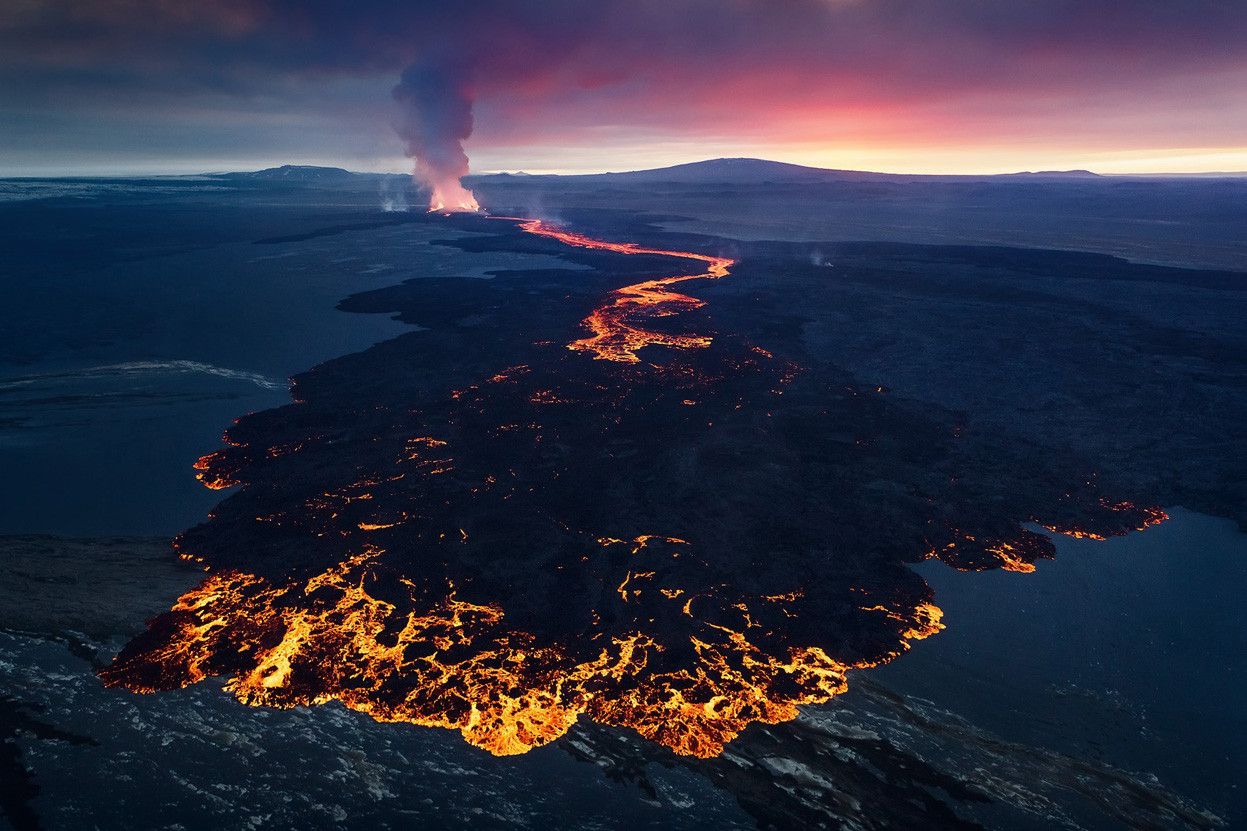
(451, 196)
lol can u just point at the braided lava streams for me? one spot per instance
(498, 535)
(616, 336)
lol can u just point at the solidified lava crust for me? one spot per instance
(584, 493)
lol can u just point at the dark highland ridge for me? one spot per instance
(308, 174)
(743, 171)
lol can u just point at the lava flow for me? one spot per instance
(616, 331)
(498, 536)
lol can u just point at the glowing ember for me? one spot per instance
(1147, 516)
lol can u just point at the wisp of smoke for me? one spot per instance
(393, 198)
(436, 100)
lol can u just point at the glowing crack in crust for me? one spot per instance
(455, 664)
(508, 556)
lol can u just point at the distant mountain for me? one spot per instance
(299, 173)
(733, 171)
(1055, 174)
(763, 171)
(739, 171)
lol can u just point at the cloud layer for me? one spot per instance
(306, 77)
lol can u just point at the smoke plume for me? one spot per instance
(436, 100)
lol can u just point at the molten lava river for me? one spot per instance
(678, 533)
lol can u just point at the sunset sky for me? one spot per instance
(946, 86)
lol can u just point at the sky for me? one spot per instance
(120, 87)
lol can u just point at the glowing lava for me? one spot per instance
(1147, 517)
(348, 635)
(617, 333)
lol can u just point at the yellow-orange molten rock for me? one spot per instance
(617, 333)
(456, 664)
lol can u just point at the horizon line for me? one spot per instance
(184, 173)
